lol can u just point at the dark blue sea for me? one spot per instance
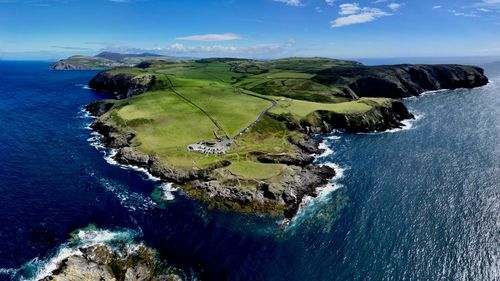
(422, 203)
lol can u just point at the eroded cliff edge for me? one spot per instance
(299, 177)
(400, 81)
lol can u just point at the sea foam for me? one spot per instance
(333, 185)
(85, 237)
(109, 156)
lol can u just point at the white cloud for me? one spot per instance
(354, 14)
(330, 2)
(349, 8)
(178, 49)
(491, 4)
(472, 14)
(394, 6)
(211, 37)
(437, 7)
(295, 3)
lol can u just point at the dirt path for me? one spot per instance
(261, 115)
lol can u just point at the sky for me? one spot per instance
(54, 29)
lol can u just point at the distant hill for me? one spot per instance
(107, 60)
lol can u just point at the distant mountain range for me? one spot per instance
(107, 60)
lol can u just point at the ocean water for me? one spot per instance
(421, 203)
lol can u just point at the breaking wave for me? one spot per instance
(310, 203)
(129, 199)
(38, 268)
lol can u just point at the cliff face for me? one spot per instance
(122, 85)
(402, 80)
(381, 117)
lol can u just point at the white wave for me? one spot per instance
(92, 236)
(327, 151)
(407, 124)
(168, 191)
(83, 86)
(83, 238)
(339, 171)
(130, 200)
(333, 138)
(323, 191)
(9, 271)
(109, 155)
(428, 93)
(125, 197)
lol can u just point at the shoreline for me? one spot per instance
(299, 175)
(96, 141)
(324, 186)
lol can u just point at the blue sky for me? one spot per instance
(51, 29)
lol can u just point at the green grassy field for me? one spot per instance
(302, 108)
(234, 94)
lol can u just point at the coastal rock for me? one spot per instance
(296, 183)
(307, 144)
(297, 159)
(100, 262)
(303, 182)
(130, 156)
(122, 85)
(380, 117)
(98, 108)
(111, 137)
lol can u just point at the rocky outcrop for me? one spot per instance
(380, 117)
(298, 159)
(98, 108)
(401, 80)
(122, 85)
(101, 262)
(67, 65)
(296, 183)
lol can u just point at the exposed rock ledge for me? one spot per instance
(122, 85)
(101, 262)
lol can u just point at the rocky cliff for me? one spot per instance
(381, 117)
(401, 80)
(122, 85)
